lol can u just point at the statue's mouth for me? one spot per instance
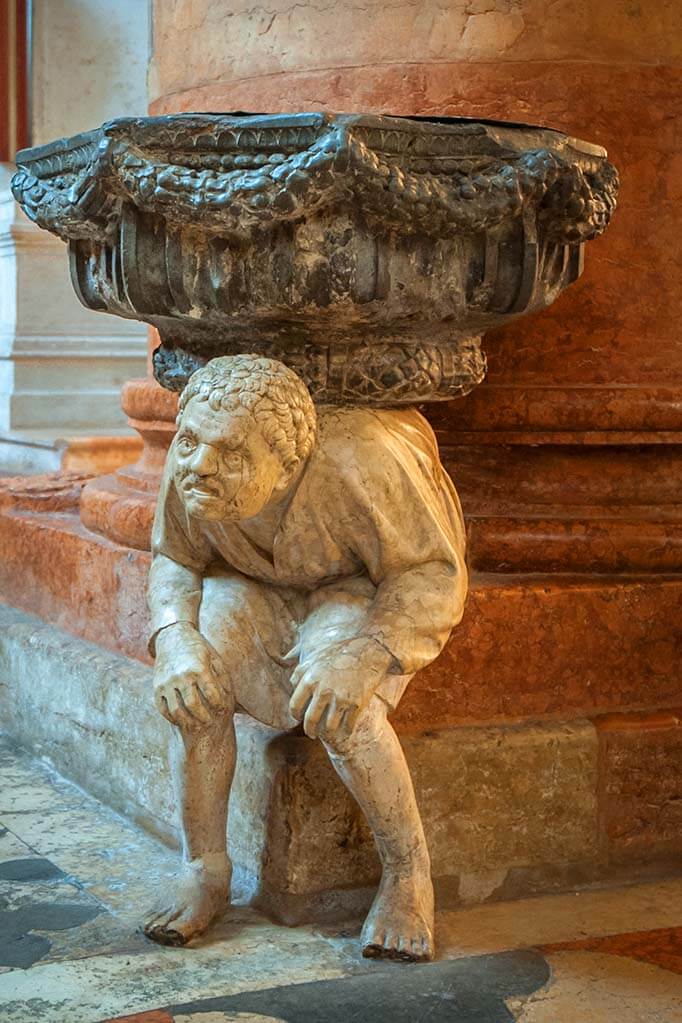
(200, 491)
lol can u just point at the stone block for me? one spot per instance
(89, 713)
(505, 808)
(641, 786)
(497, 804)
(528, 646)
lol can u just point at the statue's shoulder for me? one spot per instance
(361, 450)
(346, 435)
(342, 430)
(337, 422)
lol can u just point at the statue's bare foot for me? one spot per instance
(194, 900)
(400, 922)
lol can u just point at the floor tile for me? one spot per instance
(11, 846)
(464, 990)
(542, 920)
(586, 987)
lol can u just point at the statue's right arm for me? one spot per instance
(174, 596)
(189, 685)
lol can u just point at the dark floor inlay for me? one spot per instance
(21, 948)
(33, 868)
(471, 990)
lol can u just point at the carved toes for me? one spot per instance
(405, 948)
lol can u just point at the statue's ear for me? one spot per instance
(287, 475)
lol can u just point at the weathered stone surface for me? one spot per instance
(88, 711)
(523, 809)
(199, 42)
(554, 646)
(493, 801)
(640, 767)
(53, 492)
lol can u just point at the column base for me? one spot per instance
(530, 645)
(118, 511)
(532, 810)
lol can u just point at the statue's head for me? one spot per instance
(246, 426)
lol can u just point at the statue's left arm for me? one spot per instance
(396, 510)
(403, 629)
(413, 613)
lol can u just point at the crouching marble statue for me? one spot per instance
(306, 563)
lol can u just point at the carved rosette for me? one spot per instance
(367, 253)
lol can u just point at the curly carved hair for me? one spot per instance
(277, 399)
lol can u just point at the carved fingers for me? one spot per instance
(302, 692)
(190, 700)
(326, 714)
(191, 689)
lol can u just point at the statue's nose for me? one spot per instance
(204, 461)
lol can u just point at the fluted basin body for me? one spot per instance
(369, 253)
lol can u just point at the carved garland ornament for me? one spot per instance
(577, 202)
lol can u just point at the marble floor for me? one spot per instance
(75, 877)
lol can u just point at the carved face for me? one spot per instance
(224, 469)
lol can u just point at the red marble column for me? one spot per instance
(568, 457)
(13, 78)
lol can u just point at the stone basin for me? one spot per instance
(369, 253)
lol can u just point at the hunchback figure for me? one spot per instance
(305, 565)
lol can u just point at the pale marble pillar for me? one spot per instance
(62, 366)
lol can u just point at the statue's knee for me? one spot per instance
(342, 743)
(213, 721)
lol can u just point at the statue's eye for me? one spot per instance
(186, 445)
(233, 461)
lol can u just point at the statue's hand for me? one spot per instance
(330, 692)
(189, 686)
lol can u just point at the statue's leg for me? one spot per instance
(202, 766)
(372, 765)
(246, 622)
